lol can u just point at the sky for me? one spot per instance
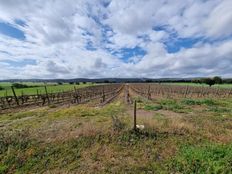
(115, 38)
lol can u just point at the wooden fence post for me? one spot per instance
(135, 119)
(16, 99)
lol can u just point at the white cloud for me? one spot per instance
(59, 36)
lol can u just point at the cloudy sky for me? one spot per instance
(118, 38)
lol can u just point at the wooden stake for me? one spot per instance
(47, 94)
(16, 99)
(135, 115)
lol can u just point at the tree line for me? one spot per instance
(209, 81)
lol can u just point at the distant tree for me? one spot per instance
(60, 83)
(71, 83)
(228, 81)
(209, 81)
(196, 81)
(106, 81)
(148, 81)
(218, 80)
(77, 83)
(19, 85)
(1, 88)
(84, 82)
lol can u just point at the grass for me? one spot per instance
(196, 84)
(51, 87)
(209, 158)
(208, 102)
(182, 136)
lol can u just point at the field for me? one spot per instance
(181, 134)
(51, 87)
(197, 84)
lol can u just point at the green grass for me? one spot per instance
(164, 104)
(209, 158)
(82, 139)
(51, 87)
(196, 84)
(208, 102)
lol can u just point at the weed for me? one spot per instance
(208, 102)
(204, 159)
(172, 105)
(153, 107)
(219, 109)
(117, 124)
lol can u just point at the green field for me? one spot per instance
(195, 84)
(51, 87)
(180, 136)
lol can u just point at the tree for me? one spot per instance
(60, 83)
(71, 83)
(209, 81)
(19, 85)
(218, 80)
(77, 83)
(1, 88)
(196, 81)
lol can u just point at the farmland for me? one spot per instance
(186, 130)
(51, 87)
(199, 85)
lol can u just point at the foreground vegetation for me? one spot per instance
(180, 136)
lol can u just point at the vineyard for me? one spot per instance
(105, 93)
(168, 91)
(118, 128)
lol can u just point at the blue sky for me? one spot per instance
(9, 30)
(115, 38)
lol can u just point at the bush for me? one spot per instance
(1, 88)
